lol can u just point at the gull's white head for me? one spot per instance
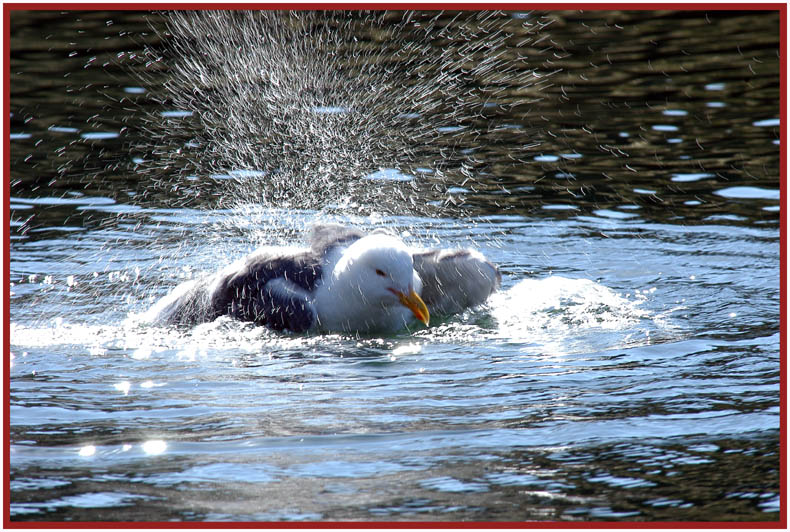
(375, 285)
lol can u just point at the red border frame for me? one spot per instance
(781, 523)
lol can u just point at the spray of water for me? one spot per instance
(343, 112)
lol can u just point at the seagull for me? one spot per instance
(346, 281)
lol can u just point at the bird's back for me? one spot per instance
(241, 293)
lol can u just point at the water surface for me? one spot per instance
(628, 369)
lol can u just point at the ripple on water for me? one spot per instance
(749, 193)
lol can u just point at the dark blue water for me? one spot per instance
(628, 369)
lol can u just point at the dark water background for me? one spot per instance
(622, 168)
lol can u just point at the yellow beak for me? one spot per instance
(415, 303)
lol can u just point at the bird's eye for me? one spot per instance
(380, 273)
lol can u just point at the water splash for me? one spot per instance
(558, 302)
(558, 316)
(318, 110)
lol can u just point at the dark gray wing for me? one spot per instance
(286, 305)
(454, 279)
(249, 295)
(269, 287)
